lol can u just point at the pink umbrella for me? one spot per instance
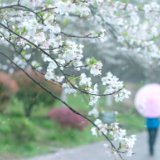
(147, 100)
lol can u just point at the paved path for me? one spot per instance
(96, 151)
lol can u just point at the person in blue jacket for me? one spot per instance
(152, 126)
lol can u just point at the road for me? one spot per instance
(96, 151)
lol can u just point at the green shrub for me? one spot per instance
(23, 131)
(5, 129)
(45, 123)
(66, 118)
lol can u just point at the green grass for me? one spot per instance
(49, 136)
(132, 122)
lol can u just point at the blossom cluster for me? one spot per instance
(118, 134)
(94, 112)
(114, 86)
(132, 29)
(44, 26)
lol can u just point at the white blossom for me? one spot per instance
(99, 123)
(94, 112)
(94, 131)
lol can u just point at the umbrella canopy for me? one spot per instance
(147, 100)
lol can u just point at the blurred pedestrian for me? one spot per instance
(152, 127)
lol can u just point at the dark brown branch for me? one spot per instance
(21, 6)
(18, 3)
(76, 36)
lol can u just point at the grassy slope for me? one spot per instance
(50, 136)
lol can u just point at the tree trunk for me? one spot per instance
(28, 111)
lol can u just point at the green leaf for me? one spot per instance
(17, 31)
(47, 17)
(118, 119)
(23, 53)
(156, 38)
(95, 3)
(41, 14)
(49, 2)
(72, 77)
(38, 64)
(140, 7)
(24, 29)
(10, 1)
(120, 145)
(77, 11)
(124, 1)
(92, 61)
(125, 33)
(66, 21)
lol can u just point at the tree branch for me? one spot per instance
(55, 96)
(56, 63)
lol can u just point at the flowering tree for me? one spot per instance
(8, 87)
(31, 94)
(46, 35)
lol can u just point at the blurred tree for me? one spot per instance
(31, 94)
(8, 87)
